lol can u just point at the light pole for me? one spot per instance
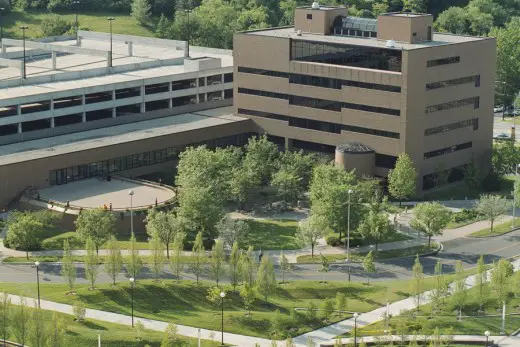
(1, 23)
(188, 11)
(487, 333)
(514, 196)
(350, 191)
(132, 282)
(131, 193)
(37, 264)
(110, 19)
(356, 315)
(24, 27)
(222, 296)
(77, 23)
(503, 332)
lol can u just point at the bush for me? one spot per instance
(333, 240)
(55, 25)
(466, 214)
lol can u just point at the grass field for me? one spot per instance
(93, 21)
(271, 234)
(54, 240)
(498, 229)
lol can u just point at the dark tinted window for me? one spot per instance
(443, 61)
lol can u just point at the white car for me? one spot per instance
(498, 109)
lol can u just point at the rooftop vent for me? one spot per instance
(315, 5)
(390, 43)
(299, 32)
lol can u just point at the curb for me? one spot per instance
(492, 236)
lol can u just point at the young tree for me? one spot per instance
(162, 27)
(430, 218)
(20, 322)
(157, 258)
(91, 263)
(341, 302)
(114, 259)
(285, 266)
(248, 266)
(324, 268)
(500, 280)
(277, 322)
(369, 266)
(139, 329)
(310, 342)
(265, 278)
(38, 334)
(217, 260)
(403, 178)
(247, 293)
(327, 308)
(439, 291)
(5, 315)
(165, 225)
(310, 230)
(491, 207)
(480, 282)
(287, 185)
(376, 227)
(234, 262)
(198, 256)
(289, 342)
(232, 230)
(68, 269)
(176, 261)
(24, 231)
(133, 261)
(141, 11)
(57, 333)
(417, 282)
(459, 290)
(96, 224)
(79, 311)
(171, 336)
(311, 311)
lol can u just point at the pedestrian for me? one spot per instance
(110, 206)
(261, 255)
(155, 202)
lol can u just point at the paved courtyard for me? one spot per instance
(96, 193)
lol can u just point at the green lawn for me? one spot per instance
(406, 252)
(186, 302)
(498, 229)
(79, 259)
(93, 21)
(271, 234)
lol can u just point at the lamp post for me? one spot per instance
(131, 193)
(222, 296)
(110, 19)
(514, 196)
(24, 27)
(132, 282)
(356, 315)
(350, 191)
(1, 23)
(76, 2)
(188, 11)
(487, 333)
(37, 264)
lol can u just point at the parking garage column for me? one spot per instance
(84, 115)
(19, 113)
(288, 143)
(170, 100)
(143, 104)
(54, 60)
(52, 122)
(114, 110)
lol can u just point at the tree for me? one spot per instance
(341, 302)
(289, 342)
(113, 259)
(79, 311)
(375, 227)
(91, 263)
(508, 72)
(430, 218)
(38, 335)
(452, 20)
(157, 258)
(309, 231)
(96, 224)
(261, 157)
(402, 179)
(277, 323)
(232, 230)
(480, 282)
(139, 329)
(287, 185)
(460, 292)
(5, 315)
(324, 268)
(198, 256)
(310, 342)
(416, 6)
(500, 274)
(417, 282)
(369, 266)
(55, 25)
(285, 266)
(311, 311)
(247, 266)
(24, 231)
(265, 278)
(491, 207)
(162, 27)
(327, 308)
(141, 11)
(133, 261)
(176, 261)
(243, 180)
(68, 269)
(57, 333)
(217, 260)
(171, 336)
(234, 262)
(165, 225)
(20, 322)
(247, 294)
(440, 290)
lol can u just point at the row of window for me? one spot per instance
(329, 105)
(443, 61)
(354, 32)
(319, 125)
(263, 72)
(454, 82)
(443, 128)
(448, 150)
(475, 101)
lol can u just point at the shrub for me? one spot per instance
(464, 215)
(333, 240)
(55, 25)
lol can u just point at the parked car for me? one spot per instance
(502, 136)
(498, 109)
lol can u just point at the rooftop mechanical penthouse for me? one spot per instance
(386, 86)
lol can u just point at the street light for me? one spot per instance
(514, 196)
(24, 27)
(1, 23)
(350, 191)
(188, 11)
(132, 282)
(77, 23)
(487, 333)
(110, 19)
(37, 264)
(356, 315)
(222, 296)
(131, 193)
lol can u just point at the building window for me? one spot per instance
(309, 16)
(448, 127)
(263, 93)
(313, 146)
(263, 72)
(414, 34)
(440, 178)
(385, 161)
(454, 82)
(443, 61)
(454, 104)
(228, 94)
(333, 83)
(228, 77)
(448, 150)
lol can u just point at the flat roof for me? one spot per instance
(85, 140)
(439, 39)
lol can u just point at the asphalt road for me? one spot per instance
(468, 250)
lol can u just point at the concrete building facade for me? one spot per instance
(389, 85)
